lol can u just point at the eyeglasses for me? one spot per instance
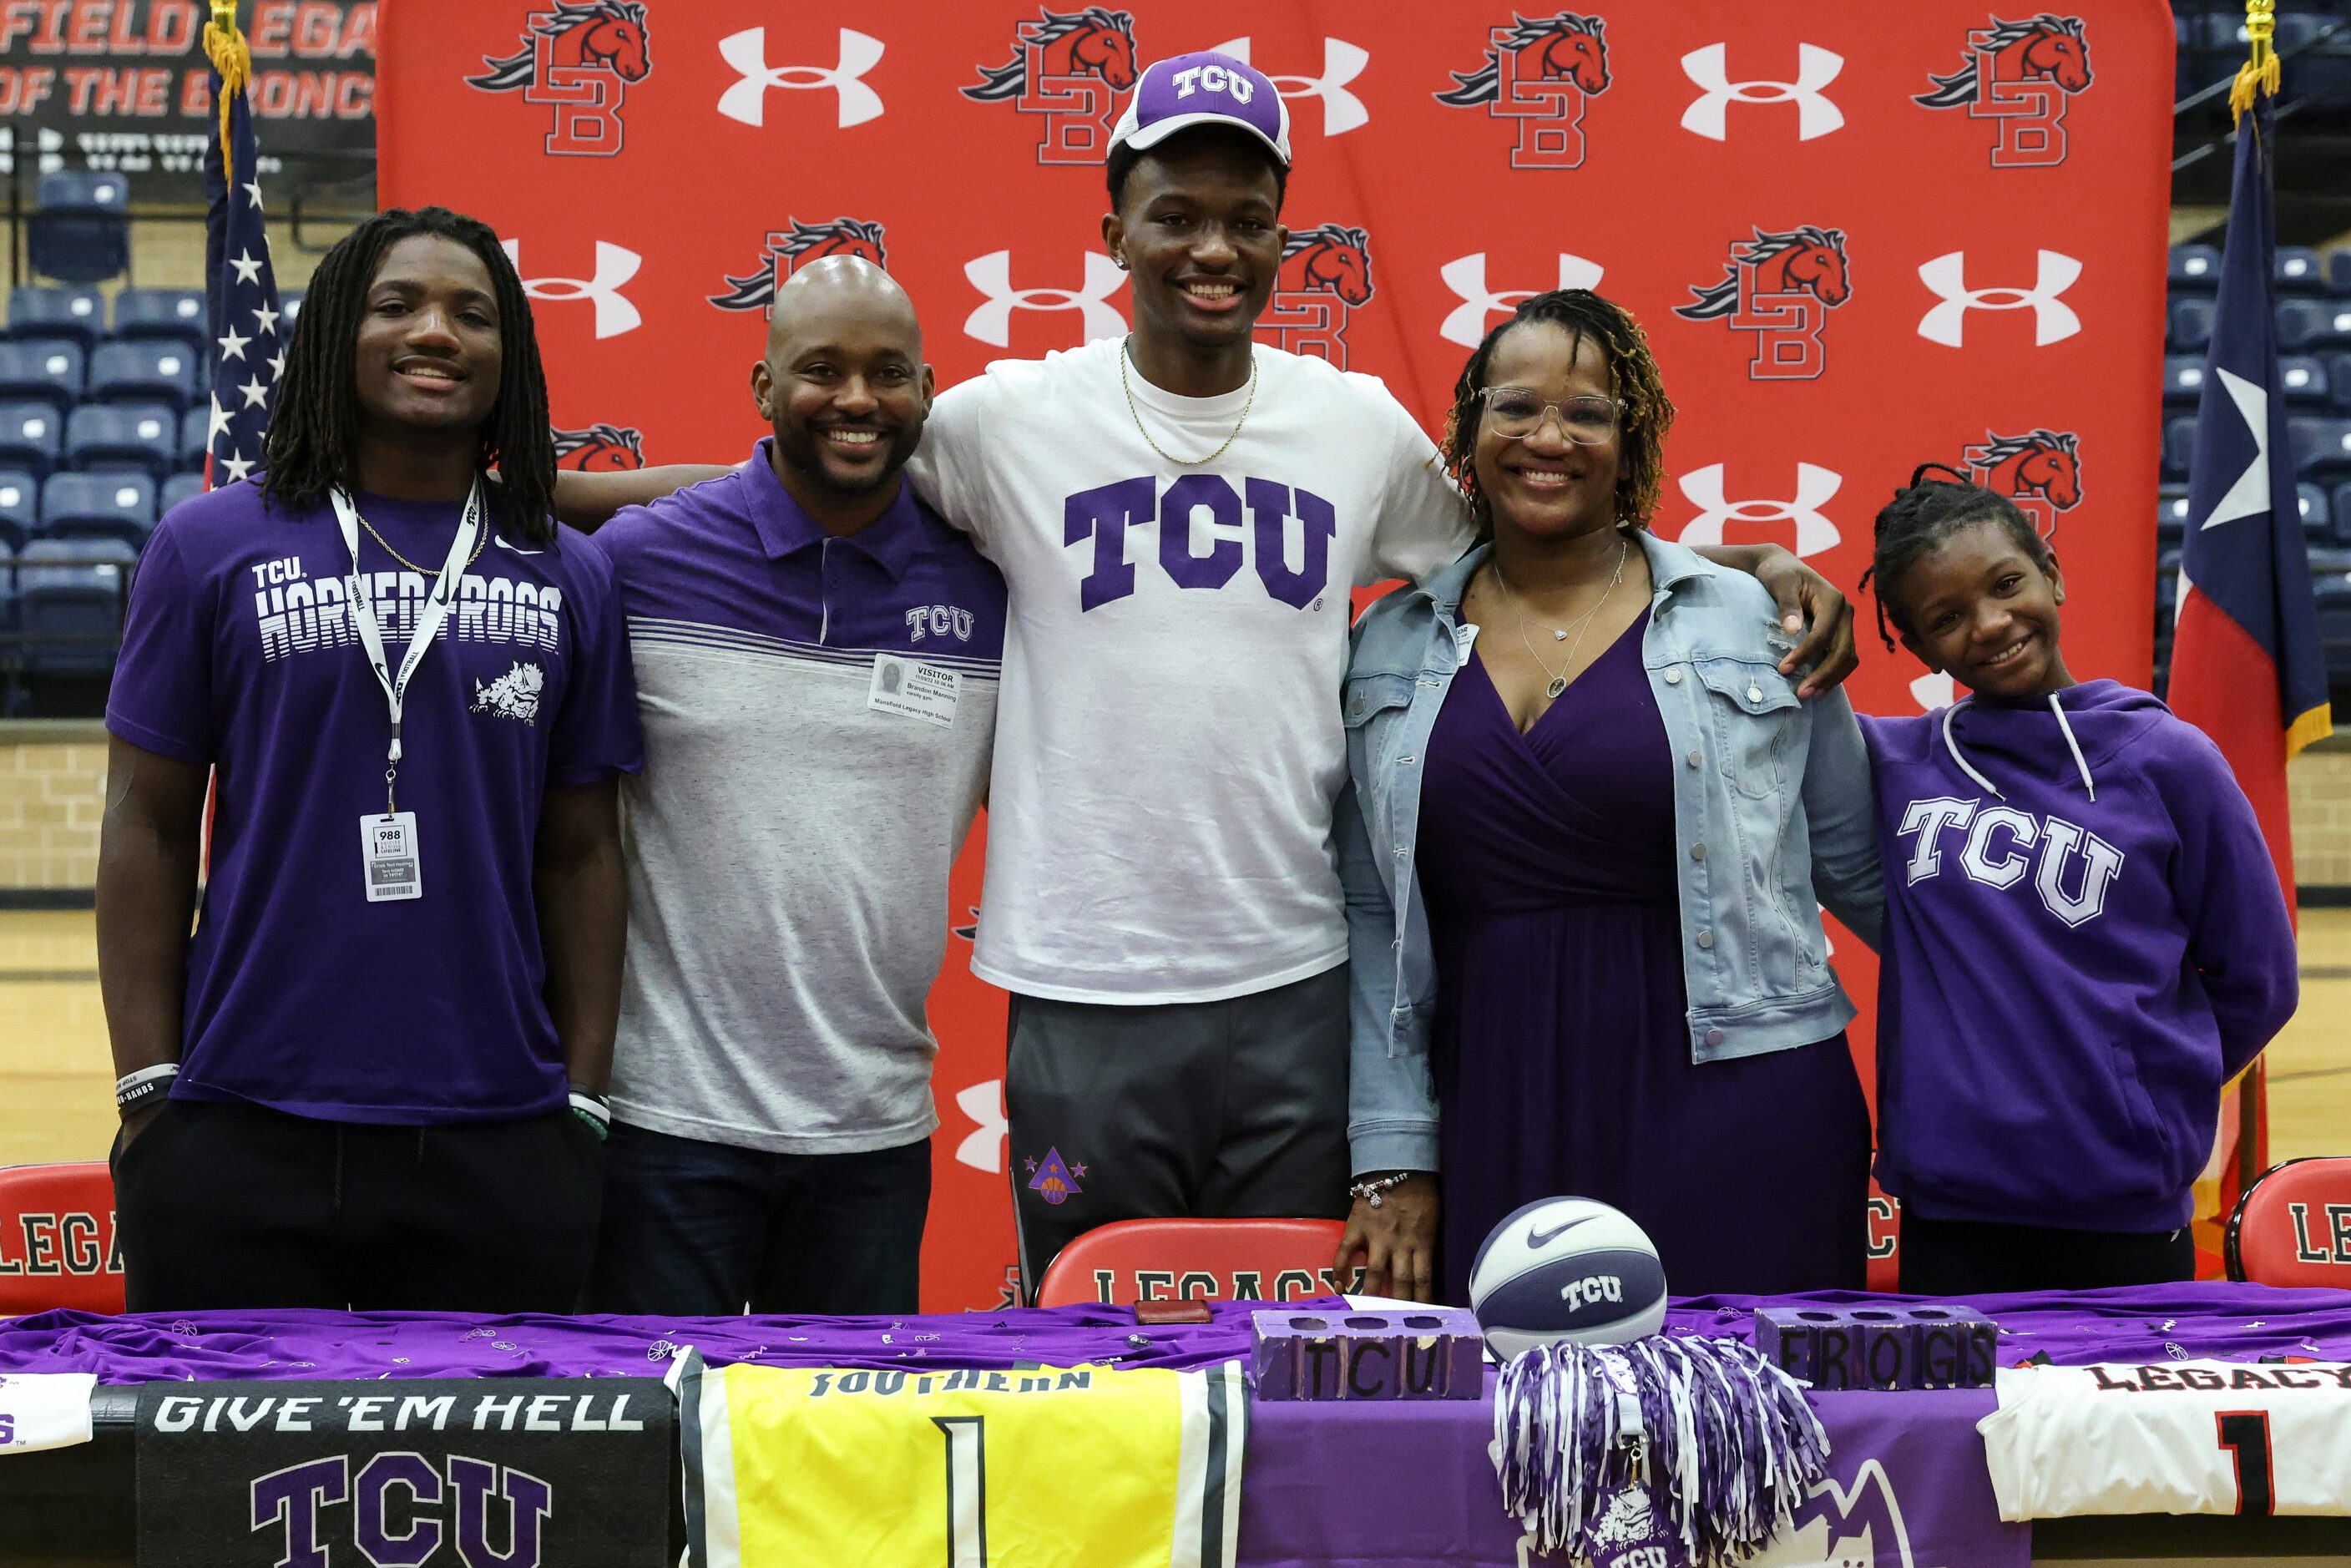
(1516, 412)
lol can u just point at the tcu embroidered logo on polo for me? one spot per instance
(1326, 272)
(1069, 66)
(1816, 486)
(2052, 319)
(787, 248)
(937, 621)
(1466, 275)
(2022, 75)
(577, 59)
(1779, 287)
(1204, 557)
(1343, 62)
(991, 322)
(746, 100)
(1708, 114)
(615, 265)
(1539, 71)
(2002, 844)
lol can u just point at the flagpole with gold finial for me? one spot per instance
(2258, 78)
(225, 47)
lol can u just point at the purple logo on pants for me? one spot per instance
(1053, 1181)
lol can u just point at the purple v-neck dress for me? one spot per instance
(1561, 1057)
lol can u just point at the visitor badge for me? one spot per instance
(913, 689)
(388, 853)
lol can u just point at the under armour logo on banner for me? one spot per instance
(983, 1147)
(746, 100)
(1814, 486)
(1343, 62)
(1710, 114)
(992, 275)
(615, 265)
(1466, 276)
(2052, 319)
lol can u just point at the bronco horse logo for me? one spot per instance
(580, 60)
(787, 248)
(1070, 67)
(1538, 72)
(2020, 74)
(599, 448)
(1779, 287)
(2040, 471)
(1325, 273)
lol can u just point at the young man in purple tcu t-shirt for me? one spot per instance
(348, 1088)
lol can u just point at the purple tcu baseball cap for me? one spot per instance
(1206, 88)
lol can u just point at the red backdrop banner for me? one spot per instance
(1861, 237)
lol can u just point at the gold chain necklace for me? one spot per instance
(1559, 682)
(1136, 415)
(479, 539)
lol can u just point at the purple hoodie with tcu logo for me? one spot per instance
(2085, 940)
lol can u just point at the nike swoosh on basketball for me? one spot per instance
(1544, 1237)
(516, 549)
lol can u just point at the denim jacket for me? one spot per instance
(1772, 805)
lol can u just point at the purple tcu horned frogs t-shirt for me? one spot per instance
(302, 994)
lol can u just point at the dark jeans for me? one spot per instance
(1227, 1109)
(1970, 1258)
(230, 1205)
(701, 1230)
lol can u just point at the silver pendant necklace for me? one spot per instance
(1558, 681)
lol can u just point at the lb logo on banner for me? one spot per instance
(426, 1473)
(787, 248)
(1069, 68)
(2023, 75)
(2040, 470)
(1540, 73)
(1779, 287)
(578, 60)
(1326, 271)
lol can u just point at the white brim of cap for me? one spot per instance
(1141, 141)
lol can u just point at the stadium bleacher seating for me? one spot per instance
(99, 505)
(179, 487)
(2189, 324)
(69, 604)
(2302, 379)
(81, 226)
(144, 437)
(39, 312)
(177, 314)
(47, 370)
(146, 370)
(20, 508)
(31, 435)
(2322, 448)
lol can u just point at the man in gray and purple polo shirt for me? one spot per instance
(817, 658)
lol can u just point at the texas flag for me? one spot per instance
(2247, 666)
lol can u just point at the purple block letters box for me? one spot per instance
(1789, 1337)
(1434, 1353)
(1885, 1347)
(1955, 1346)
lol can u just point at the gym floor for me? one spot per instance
(55, 1074)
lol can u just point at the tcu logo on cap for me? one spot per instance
(2022, 74)
(992, 275)
(2052, 319)
(579, 59)
(746, 100)
(1538, 72)
(1466, 275)
(1325, 273)
(1069, 66)
(1343, 62)
(1815, 487)
(1780, 287)
(1710, 114)
(1213, 78)
(787, 248)
(615, 265)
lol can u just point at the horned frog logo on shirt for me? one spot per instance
(514, 694)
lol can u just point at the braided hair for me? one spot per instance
(1922, 515)
(1646, 412)
(312, 445)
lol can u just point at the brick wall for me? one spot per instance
(53, 789)
(52, 792)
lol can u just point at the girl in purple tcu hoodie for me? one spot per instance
(2084, 936)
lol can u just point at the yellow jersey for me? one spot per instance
(1086, 1466)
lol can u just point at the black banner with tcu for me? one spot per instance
(420, 1473)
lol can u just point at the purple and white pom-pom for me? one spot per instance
(1722, 1442)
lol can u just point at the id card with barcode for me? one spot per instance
(388, 857)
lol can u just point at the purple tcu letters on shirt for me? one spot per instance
(1106, 513)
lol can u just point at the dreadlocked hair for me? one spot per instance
(312, 445)
(1922, 515)
(1645, 413)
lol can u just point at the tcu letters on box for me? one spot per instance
(1435, 1353)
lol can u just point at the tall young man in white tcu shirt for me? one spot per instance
(1179, 516)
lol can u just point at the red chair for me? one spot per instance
(1195, 1260)
(57, 1239)
(2292, 1227)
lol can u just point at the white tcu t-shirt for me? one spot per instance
(1167, 738)
(2183, 1437)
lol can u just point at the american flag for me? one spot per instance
(241, 299)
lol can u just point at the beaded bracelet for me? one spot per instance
(1370, 1190)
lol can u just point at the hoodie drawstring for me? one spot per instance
(2072, 745)
(1952, 747)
